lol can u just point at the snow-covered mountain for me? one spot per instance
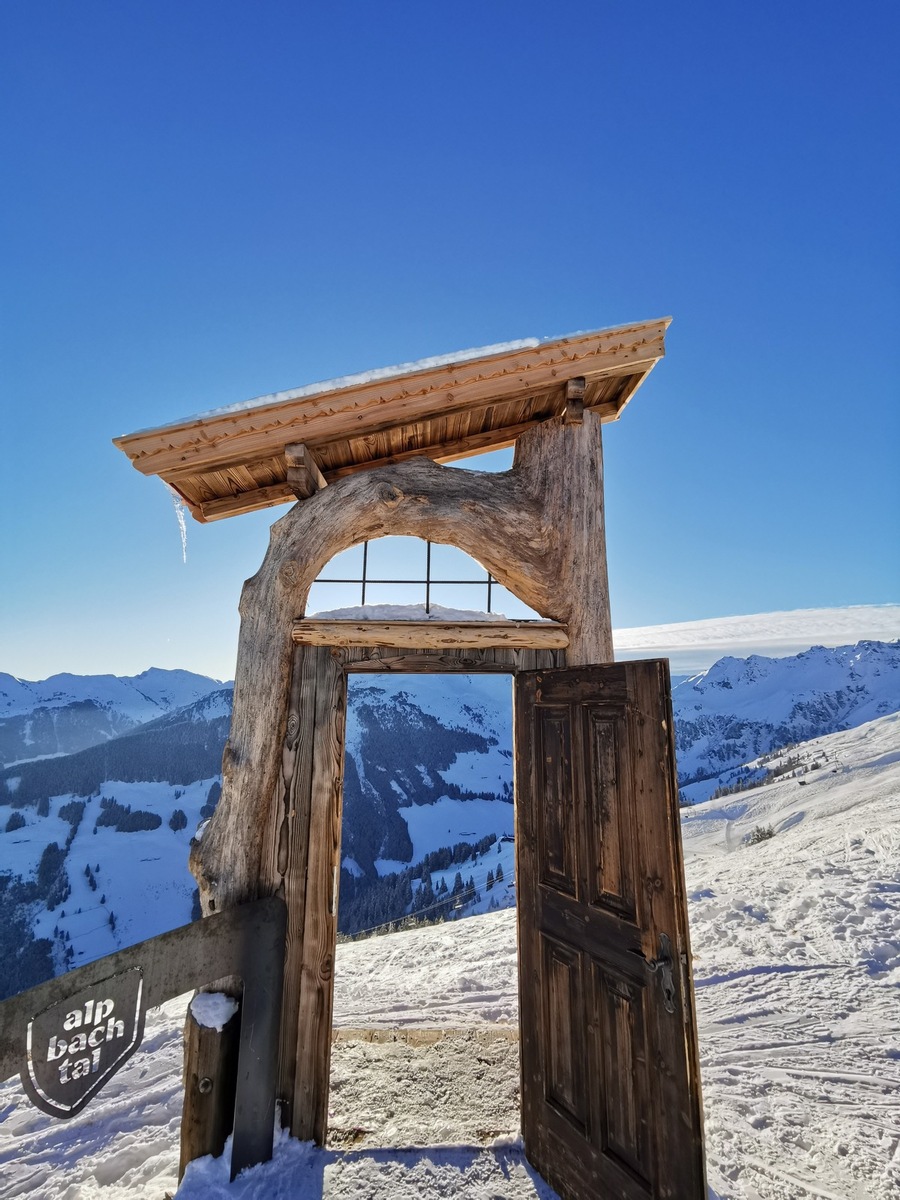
(428, 815)
(693, 646)
(93, 845)
(745, 707)
(66, 713)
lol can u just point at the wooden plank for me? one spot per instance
(678, 1136)
(264, 437)
(373, 449)
(210, 494)
(303, 474)
(285, 872)
(432, 635)
(412, 662)
(252, 432)
(446, 451)
(228, 506)
(309, 1117)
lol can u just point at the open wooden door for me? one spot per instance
(610, 1081)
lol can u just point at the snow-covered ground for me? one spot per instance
(122, 865)
(796, 944)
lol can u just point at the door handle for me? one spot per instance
(664, 967)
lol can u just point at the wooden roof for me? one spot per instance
(277, 448)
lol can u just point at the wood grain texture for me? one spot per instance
(427, 635)
(303, 474)
(394, 401)
(309, 973)
(610, 1089)
(538, 528)
(495, 660)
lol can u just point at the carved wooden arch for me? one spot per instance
(538, 528)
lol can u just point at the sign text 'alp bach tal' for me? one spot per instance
(74, 1046)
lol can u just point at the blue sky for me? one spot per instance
(205, 202)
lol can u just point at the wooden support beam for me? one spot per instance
(303, 474)
(448, 661)
(265, 497)
(431, 635)
(574, 410)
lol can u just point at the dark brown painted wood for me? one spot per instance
(610, 1081)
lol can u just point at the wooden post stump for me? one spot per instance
(210, 1085)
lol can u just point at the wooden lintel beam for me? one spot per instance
(431, 635)
(303, 475)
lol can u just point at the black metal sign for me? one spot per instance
(73, 1047)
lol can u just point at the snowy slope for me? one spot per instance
(796, 944)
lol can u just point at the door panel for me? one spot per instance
(558, 828)
(610, 1085)
(564, 999)
(610, 827)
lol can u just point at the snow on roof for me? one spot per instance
(360, 378)
(234, 459)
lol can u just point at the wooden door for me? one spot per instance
(610, 1082)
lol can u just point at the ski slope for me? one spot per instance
(796, 945)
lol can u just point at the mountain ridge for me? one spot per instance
(428, 787)
(66, 713)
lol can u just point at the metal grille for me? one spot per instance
(365, 579)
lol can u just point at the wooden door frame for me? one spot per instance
(304, 838)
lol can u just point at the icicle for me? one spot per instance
(182, 524)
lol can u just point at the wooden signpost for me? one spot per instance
(603, 1036)
(66, 1038)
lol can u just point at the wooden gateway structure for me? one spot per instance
(610, 1083)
